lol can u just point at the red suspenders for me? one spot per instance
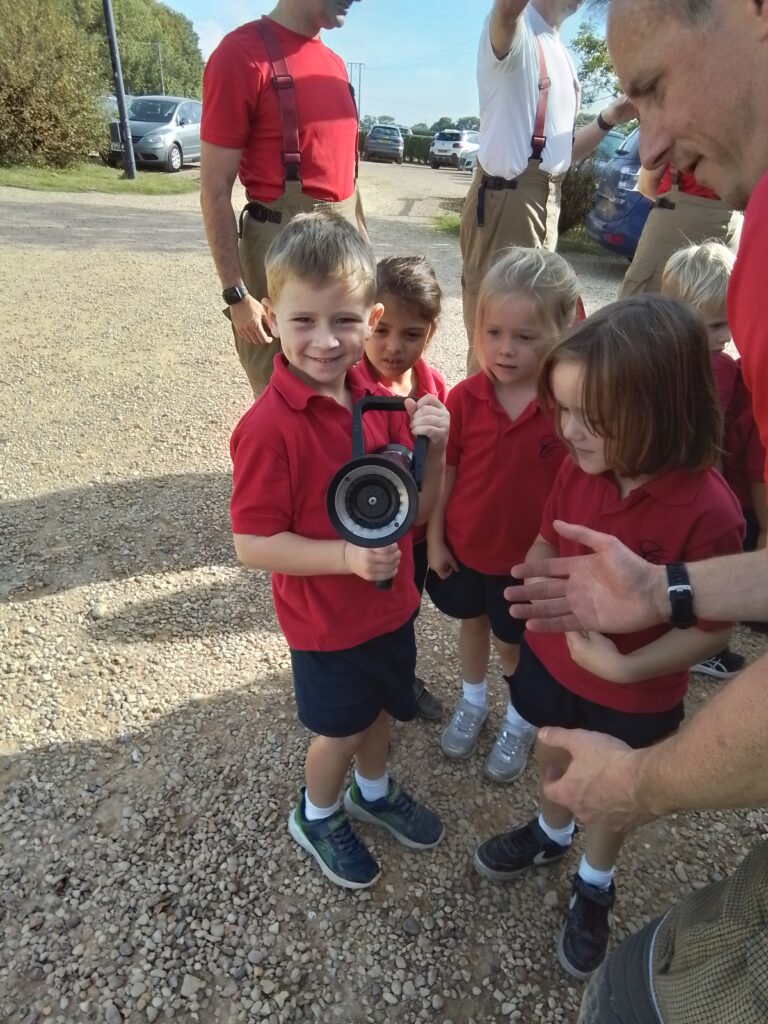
(282, 80)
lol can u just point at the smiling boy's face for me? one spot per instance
(322, 328)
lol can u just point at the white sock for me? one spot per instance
(590, 875)
(562, 836)
(476, 693)
(372, 789)
(516, 720)
(314, 813)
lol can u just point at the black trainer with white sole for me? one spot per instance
(724, 665)
(583, 940)
(510, 854)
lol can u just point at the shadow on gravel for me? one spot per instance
(108, 531)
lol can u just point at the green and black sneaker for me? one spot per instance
(411, 823)
(340, 855)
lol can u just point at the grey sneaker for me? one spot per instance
(509, 754)
(459, 737)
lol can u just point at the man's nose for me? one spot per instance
(655, 145)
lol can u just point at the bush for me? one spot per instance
(579, 189)
(417, 149)
(50, 87)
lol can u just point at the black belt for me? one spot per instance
(260, 213)
(665, 204)
(495, 184)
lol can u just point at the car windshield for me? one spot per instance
(390, 133)
(151, 110)
(449, 137)
(609, 146)
(630, 145)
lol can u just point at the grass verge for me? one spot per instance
(448, 222)
(574, 240)
(92, 177)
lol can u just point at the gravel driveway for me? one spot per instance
(149, 746)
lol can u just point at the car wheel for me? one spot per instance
(434, 165)
(174, 161)
(455, 162)
(399, 160)
(113, 161)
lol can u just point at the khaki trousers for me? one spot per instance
(693, 220)
(526, 216)
(257, 235)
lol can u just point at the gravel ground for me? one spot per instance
(149, 747)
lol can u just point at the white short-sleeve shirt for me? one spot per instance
(509, 96)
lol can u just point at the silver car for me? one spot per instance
(165, 131)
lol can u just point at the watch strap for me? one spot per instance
(680, 595)
(603, 125)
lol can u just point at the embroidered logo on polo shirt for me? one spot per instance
(654, 552)
(549, 445)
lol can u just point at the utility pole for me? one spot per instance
(359, 91)
(129, 161)
(162, 76)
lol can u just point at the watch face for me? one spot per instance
(234, 295)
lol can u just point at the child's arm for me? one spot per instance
(292, 555)
(430, 419)
(676, 650)
(759, 497)
(439, 555)
(540, 549)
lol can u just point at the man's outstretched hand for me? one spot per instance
(612, 590)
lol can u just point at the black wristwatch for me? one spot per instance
(234, 294)
(603, 125)
(680, 595)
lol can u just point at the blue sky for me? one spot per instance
(419, 54)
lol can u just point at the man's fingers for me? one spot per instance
(536, 590)
(558, 624)
(583, 535)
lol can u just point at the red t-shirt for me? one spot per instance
(285, 450)
(686, 182)
(743, 454)
(746, 312)
(504, 473)
(240, 111)
(676, 517)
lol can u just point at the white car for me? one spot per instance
(451, 146)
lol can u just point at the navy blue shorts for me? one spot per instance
(340, 693)
(467, 594)
(541, 700)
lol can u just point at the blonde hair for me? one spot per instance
(543, 275)
(699, 275)
(316, 247)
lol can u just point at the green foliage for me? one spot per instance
(442, 124)
(386, 119)
(579, 188)
(416, 150)
(92, 177)
(50, 110)
(468, 124)
(422, 128)
(596, 74)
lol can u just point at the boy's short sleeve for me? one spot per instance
(261, 502)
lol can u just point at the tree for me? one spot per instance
(422, 128)
(386, 119)
(442, 124)
(468, 124)
(596, 74)
(50, 86)
(367, 123)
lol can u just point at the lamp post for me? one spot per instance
(129, 161)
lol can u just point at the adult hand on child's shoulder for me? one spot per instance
(431, 419)
(599, 655)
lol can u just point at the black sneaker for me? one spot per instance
(428, 706)
(507, 855)
(583, 939)
(724, 665)
(340, 855)
(411, 823)
(757, 627)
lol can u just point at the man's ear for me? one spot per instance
(375, 316)
(269, 309)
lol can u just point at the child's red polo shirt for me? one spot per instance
(676, 517)
(504, 473)
(285, 450)
(429, 381)
(743, 453)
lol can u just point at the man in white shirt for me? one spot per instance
(529, 98)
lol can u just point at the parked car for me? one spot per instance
(450, 146)
(603, 154)
(165, 131)
(384, 142)
(618, 215)
(404, 131)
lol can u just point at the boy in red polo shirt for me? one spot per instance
(503, 456)
(352, 646)
(635, 402)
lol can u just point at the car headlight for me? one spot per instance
(154, 139)
(628, 180)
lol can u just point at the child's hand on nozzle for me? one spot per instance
(440, 559)
(374, 564)
(430, 418)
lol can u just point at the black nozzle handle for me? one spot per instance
(384, 584)
(380, 402)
